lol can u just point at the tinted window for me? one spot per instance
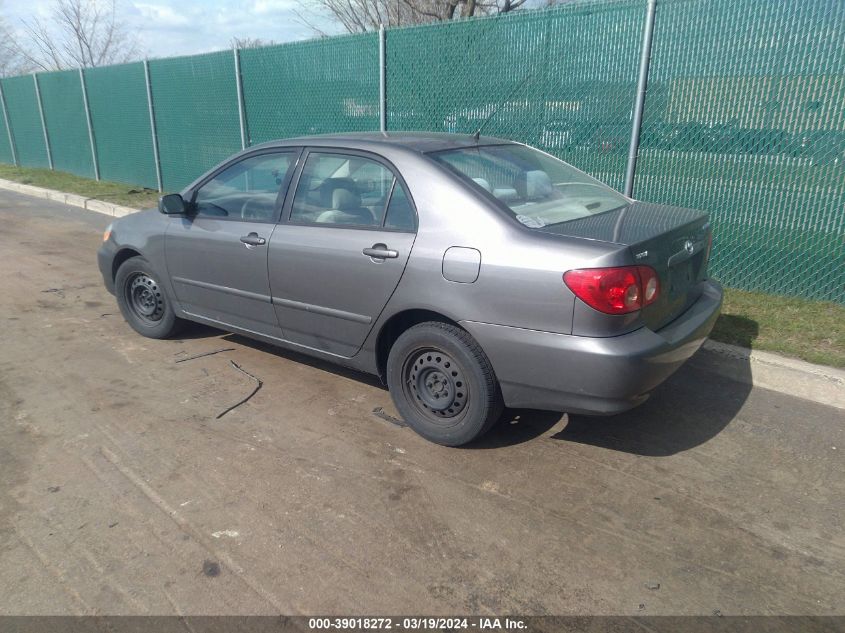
(246, 190)
(400, 213)
(341, 189)
(538, 189)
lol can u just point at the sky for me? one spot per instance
(186, 27)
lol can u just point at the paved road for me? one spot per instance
(121, 493)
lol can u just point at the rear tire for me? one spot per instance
(142, 300)
(442, 384)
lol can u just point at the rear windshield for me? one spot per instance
(538, 189)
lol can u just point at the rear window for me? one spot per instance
(538, 189)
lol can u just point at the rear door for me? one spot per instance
(217, 254)
(336, 259)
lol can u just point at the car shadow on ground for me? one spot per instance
(304, 359)
(690, 408)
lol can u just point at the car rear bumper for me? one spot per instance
(592, 375)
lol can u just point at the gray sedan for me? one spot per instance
(468, 273)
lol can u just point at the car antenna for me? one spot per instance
(477, 134)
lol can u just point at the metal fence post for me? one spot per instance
(8, 127)
(382, 80)
(90, 127)
(639, 102)
(239, 84)
(156, 156)
(43, 121)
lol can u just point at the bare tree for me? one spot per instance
(77, 33)
(358, 16)
(10, 61)
(250, 42)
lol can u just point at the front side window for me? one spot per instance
(539, 190)
(246, 190)
(342, 189)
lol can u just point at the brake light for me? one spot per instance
(618, 290)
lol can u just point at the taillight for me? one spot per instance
(618, 290)
(650, 282)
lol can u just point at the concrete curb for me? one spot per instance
(818, 383)
(825, 385)
(107, 208)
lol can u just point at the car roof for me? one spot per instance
(416, 141)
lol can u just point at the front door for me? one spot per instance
(217, 253)
(336, 261)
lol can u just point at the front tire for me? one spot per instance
(442, 384)
(143, 301)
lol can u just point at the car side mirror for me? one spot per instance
(172, 204)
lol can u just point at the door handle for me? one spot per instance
(380, 251)
(253, 240)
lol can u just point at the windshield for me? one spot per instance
(539, 190)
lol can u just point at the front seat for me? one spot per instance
(346, 209)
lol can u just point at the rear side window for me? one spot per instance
(400, 214)
(350, 190)
(246, 190)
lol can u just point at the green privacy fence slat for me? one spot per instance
(6, 155)
(117, 98)
(562, 80)
(22, 106)
(196, 112)
(315, 87)
(745, 117)
(67, 127)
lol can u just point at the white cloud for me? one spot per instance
(262, 7)
(162, 16)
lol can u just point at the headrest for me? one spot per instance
(344, 199)
(505, 194)
(534, 185)
(483, 183)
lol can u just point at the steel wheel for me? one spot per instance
(442, 383)
(143, 301)
(436, 385)
(143, 296)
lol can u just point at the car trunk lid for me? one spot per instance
(672, 240)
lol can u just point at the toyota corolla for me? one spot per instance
(469, 273)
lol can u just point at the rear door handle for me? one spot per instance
(380, 251)
(253, 240)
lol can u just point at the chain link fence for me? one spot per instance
(195, 103)
(22, 109)
(562, 80)
(67, 122)
(316, 87)
(744, 115)
(120, 118)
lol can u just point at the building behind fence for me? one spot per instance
(744, 115)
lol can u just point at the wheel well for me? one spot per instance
(393, 328)
(121, 256)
